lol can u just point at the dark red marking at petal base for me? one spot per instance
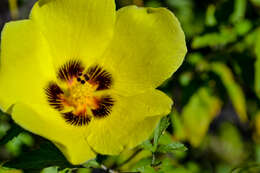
(71, 69)
(77, 120)
(53, 92)
(105, 107)
(95, 75)
(100, 77)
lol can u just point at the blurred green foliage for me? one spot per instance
(216, 93)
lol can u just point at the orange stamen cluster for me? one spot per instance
(78, 100)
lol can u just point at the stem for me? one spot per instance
(130, 158)
(107, 169)
(153, 160)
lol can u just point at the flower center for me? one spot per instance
(78, 100)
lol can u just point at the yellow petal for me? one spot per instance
(26, 69)
(147, 48)
(48, 123)
(131, 121)
(25, 64)
(75, 29)
(146, 128)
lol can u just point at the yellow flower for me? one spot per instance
(84, 76)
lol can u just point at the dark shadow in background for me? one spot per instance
(24, 10)
(4, 13)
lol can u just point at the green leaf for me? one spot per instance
(66, 170)
(146, 169)
(91, 164)
(210, 16)
(14, 131)
(141, 164)
(14, 146)
(226, 35)
(256, 2)
(162, 126)
(234, 90)
(228, 145)
(194, 58)
(50, 170)
(185, 78)
(257, 64)
(44, 156)
(153, 3)
(243, 27)
(166, 138)
(147, 145)
(197, 115)
(177, 124)
(171, 147)
(239, 11)
(9, 170)
(247, 168)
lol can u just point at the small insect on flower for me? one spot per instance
(84, 76)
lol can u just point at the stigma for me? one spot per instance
(75, 94)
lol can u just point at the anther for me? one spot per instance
(86, 77)
(78, 96)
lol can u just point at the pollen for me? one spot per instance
(80, 97)
(78, 100)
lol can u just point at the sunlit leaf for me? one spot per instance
(14, 131)
(234, 90)
(50, 170)
(9, 170)
(147, 145)
(14, 146)
(242, 27)
(162, 126)
(257, 153)
(228, 145)
(256, 2)
(249, 39)
(134, 159)
(146, 169)
(210, 16)
(257, 127)
(257, 64)
(166, 138)
(194, 58)
(171, 147)
(166, 166)
(178, 128)
(239, 10)
(197, 115)
(247, 168)
(226, 35)
(141, 164)
(185, 78)
(91, 164)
